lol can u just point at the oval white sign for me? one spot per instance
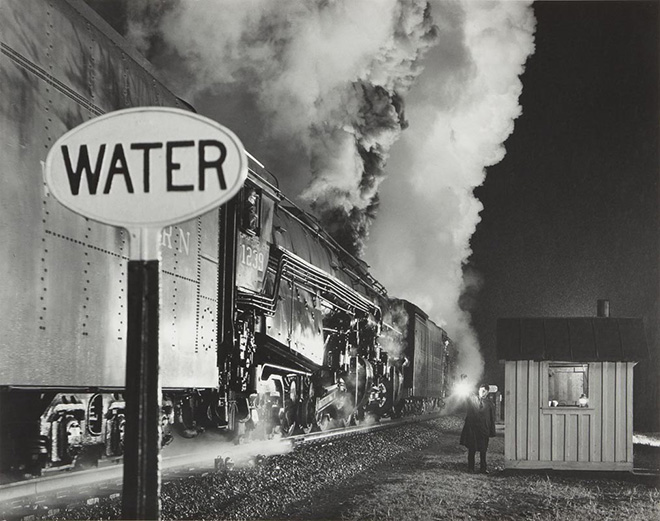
(146, 167)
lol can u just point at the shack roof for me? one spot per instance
(592, 339)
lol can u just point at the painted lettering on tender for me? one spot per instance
(182, 236)
(184, 240)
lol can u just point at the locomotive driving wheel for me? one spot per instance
(360, 380)
(382, 398)
(325, 422)
(288, 418)
(115, 427)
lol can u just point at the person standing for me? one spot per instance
(478, 428)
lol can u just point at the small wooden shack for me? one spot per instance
(568, 389)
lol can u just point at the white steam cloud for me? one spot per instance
(461, 111)
(315, 89)
(327, 75)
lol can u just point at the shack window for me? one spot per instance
(251, 210)
(568, 385)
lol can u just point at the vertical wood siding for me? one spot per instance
(598, 436)
(620, 414)
(595, 442)
(584, 435)
(607, 411)
(522, 400)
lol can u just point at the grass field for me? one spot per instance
(433, 484)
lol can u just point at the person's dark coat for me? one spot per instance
(479, 424)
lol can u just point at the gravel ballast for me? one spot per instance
(413, 471)
(264, 490)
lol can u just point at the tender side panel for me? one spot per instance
(77, 316)
(207, 318)
(21, 230)
(62, 293)
(179, 293)
(61, 305)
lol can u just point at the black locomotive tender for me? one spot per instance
(267, 325)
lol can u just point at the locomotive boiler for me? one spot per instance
(268, 327)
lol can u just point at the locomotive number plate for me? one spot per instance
(251, 262)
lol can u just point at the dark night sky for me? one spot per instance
(571, 213)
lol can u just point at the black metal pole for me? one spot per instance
(141, 491)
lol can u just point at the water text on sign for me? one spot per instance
(144, 169)
(99, 171)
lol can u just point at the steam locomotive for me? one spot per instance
(268, 327)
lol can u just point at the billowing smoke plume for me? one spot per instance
(461, 111)
(326, 74)
(315, 89)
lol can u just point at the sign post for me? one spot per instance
(142, 436)
(143, 169)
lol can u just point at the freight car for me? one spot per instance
(430, 360)
(268, 326)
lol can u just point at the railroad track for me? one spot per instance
(45, 496)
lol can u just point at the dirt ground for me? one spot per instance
(433, 484)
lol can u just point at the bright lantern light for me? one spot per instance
(462, 388)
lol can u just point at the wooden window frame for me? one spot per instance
(545, 389)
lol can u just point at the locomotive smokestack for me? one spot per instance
(603, 308)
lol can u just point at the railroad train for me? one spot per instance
(267, 326)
